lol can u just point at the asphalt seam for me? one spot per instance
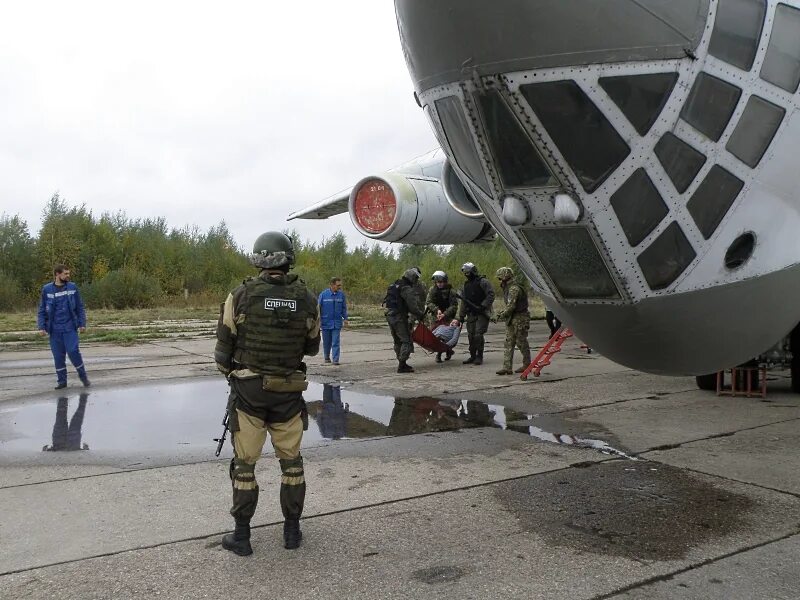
(308, 518)
(668, 447)
(668, 576)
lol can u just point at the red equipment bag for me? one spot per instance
(423, 337)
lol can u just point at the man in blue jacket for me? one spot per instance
(333, 314)
(61, 316)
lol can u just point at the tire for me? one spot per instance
(794, 346)
(707, 382)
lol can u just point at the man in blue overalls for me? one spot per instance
(333, 314)
(61, 316)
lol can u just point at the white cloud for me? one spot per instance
(202, 111)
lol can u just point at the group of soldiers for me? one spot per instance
(407, 301)
(270, 322)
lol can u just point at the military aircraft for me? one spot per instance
(639, 158)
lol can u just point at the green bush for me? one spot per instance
(11, 295)
(124, 288)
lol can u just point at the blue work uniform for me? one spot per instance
(61, 313)
(332, 314)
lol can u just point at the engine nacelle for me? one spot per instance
(414, 210)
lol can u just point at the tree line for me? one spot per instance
(120, 262)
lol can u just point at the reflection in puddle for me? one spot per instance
(67, 435)
(176, 418)
(573, 440)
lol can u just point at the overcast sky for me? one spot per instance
(202, 111)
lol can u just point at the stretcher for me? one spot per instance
(423, 337)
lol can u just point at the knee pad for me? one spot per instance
(292, 466)
(243, 474)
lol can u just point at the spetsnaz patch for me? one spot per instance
(275, 303)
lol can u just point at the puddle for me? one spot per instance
(182, 416)
(181, 419)
(568, 439)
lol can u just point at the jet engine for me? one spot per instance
(395, 207)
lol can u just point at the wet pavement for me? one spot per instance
(592, 481)
(181, 418)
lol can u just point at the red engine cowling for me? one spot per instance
(414, 210)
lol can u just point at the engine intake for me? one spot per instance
(414, 210)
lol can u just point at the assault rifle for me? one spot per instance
(477, 308)
(221, 440)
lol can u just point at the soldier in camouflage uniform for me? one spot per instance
(266, 326)
(517, 319)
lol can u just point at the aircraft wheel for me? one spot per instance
(707, 382)
(794, 345)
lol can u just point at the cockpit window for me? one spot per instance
(737, 29)
(638, 206)
(666, 258)
(782, 61)
(589, 143)
(755, 130)
(712, 199)
(517, 159)
(641, 98)
(572, 261)
(460, 140)
(681, 162)
(710, 105)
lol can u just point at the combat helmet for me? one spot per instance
(411, 275)
(272, 250)
(469, 268)
(504, 273)
(439, 276)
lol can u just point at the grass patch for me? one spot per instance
(130, 326)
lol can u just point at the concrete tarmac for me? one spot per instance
(592, 481)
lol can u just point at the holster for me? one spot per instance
(294, 382)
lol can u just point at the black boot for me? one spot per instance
(478, 358)
(438, 357)
(291, 534)
(470, 360)
(404, 367)
(238, 542)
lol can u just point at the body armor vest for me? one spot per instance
(474, 293)
(522, 299)
(394, 301)
(272, 324)
(441, 298)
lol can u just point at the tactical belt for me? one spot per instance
(294, 382)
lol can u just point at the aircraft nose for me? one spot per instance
(694, 333)
(447, 40)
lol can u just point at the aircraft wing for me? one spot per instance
(330, 206)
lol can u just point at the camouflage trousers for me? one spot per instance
(249, 434)
(517, 335)
(401, 336)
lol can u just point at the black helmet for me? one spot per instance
(272, 250)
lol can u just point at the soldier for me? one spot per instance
(441, 303)
(266, 326)
(401, 299)
(517, 319)
(476, 306)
